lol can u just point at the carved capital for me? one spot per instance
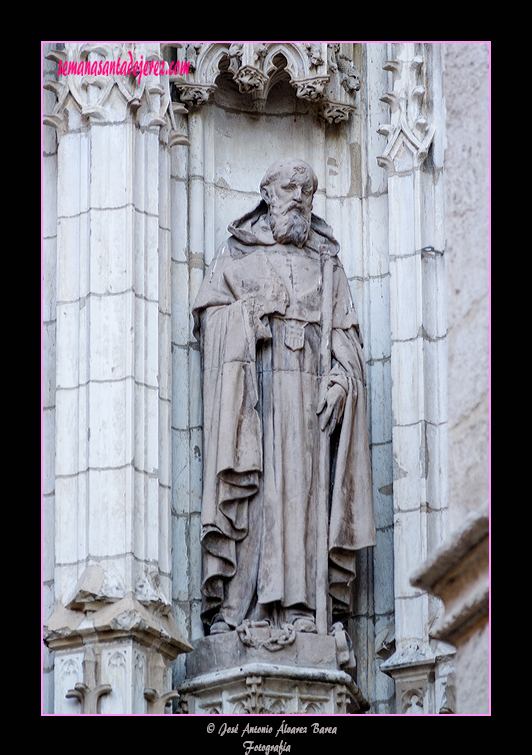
(67, 629)
(334, 112)
(311, 89)
(196, 94)
(250, 79)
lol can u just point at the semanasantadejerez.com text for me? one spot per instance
(123, 68)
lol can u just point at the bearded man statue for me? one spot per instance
(258, 318)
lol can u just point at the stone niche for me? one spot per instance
(235, 132)
(250, 671)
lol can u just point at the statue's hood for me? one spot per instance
(253, 230)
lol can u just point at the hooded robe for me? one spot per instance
(257, 317)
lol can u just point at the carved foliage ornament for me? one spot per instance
(319, 72)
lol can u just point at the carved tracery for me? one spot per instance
(319, 72)
(409, 132)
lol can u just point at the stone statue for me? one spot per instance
(267, 312)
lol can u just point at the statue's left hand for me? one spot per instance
(331, 407)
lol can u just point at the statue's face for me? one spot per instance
(292, 189)
(289, 197)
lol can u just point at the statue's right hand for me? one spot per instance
(261, 288)
(262, 330)
(271, 300)
(264, 297)
(258, 318)
(265, 303)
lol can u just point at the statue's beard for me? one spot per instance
(289, 226)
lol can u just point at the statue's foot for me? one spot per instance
(219, 627)
(305, 625)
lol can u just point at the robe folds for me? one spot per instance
(257, 317)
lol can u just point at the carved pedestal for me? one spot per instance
(113, 660)
(226, 676)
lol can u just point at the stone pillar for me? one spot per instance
(418, 333)
(458, 572)
(111, 628)
(49, 260)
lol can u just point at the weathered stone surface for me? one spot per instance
(226, 676)
(225, 651)
(137, 192)
(283, 370)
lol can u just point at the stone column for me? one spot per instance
(49, 259)
(418, 333)
(111, 628)
(458, 572)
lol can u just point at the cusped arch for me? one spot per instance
(313, 68)
(208, 62)
(296, 56)
(298, 61)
